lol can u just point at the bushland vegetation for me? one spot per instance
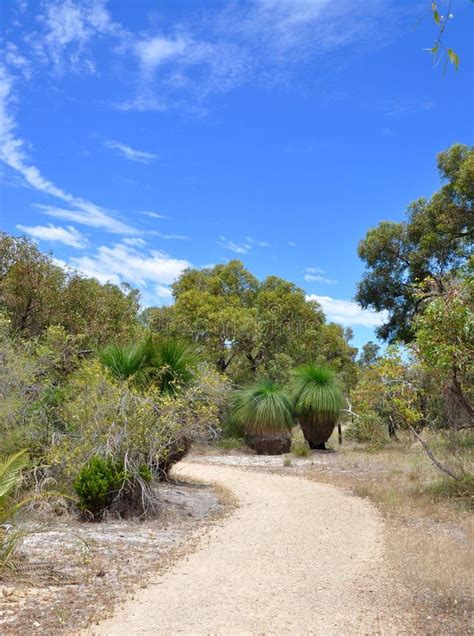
(103, 397)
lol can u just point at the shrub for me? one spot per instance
(368, 429)
(97, 484)
(230, 443)
(144, 431)
(300, 449)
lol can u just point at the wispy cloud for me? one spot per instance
(172, 237)
(237, 248)
(207, 52)
(67, 235)
(264, 41)
(68, 29)
(13, 154)
(163, 291)
(316, 274)
(348, 313)
(152, 215)
(242, 247)
(130, 153)
(91, 215)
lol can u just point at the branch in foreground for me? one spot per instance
(428, 451)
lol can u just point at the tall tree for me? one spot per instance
(435, 240)
(36, 293)
(368, 354)
(249, 328)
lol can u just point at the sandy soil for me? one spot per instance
(296, 557)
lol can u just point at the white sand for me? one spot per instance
(296, 557)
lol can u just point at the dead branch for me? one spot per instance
(428, 451)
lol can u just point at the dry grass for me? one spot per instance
(429, 530)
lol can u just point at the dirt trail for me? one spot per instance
(296, 557)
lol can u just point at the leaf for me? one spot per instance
(10, 469)
(436, 16)
(453, 58)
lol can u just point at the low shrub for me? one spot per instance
(300, 449)
(230, 443)
(368, 429)
(97, 484)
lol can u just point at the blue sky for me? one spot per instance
(139, 138)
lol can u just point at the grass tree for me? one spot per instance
(170, 364)
(263, 413)
(317, 399)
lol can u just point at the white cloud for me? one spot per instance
(153, 215)
(162, 291)
(69, 27)
(348, 313)
(316, 274)
(130, 153)
(154, 51)
(260, 41)
(13, 154)
(134, 242)
(317, 278)
(124, 263)
(92, 216)
(67, 235)
(13, 57)
(237, 248)
(172, 237)
(172, 68)
(291, 243)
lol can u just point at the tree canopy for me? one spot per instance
(435, 240)
(36, 293)
(247, 327)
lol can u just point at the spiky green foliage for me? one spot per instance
(176, 365)
(133, 362)
(316, 393)
(10, 474)
(169, 363)
(10, 471)
(262, 409)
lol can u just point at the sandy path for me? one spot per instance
(296, 557)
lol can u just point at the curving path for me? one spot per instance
(296, 557)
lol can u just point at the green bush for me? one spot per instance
(230, 443)
(300, 449)
(96, 485)
(368, 429)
